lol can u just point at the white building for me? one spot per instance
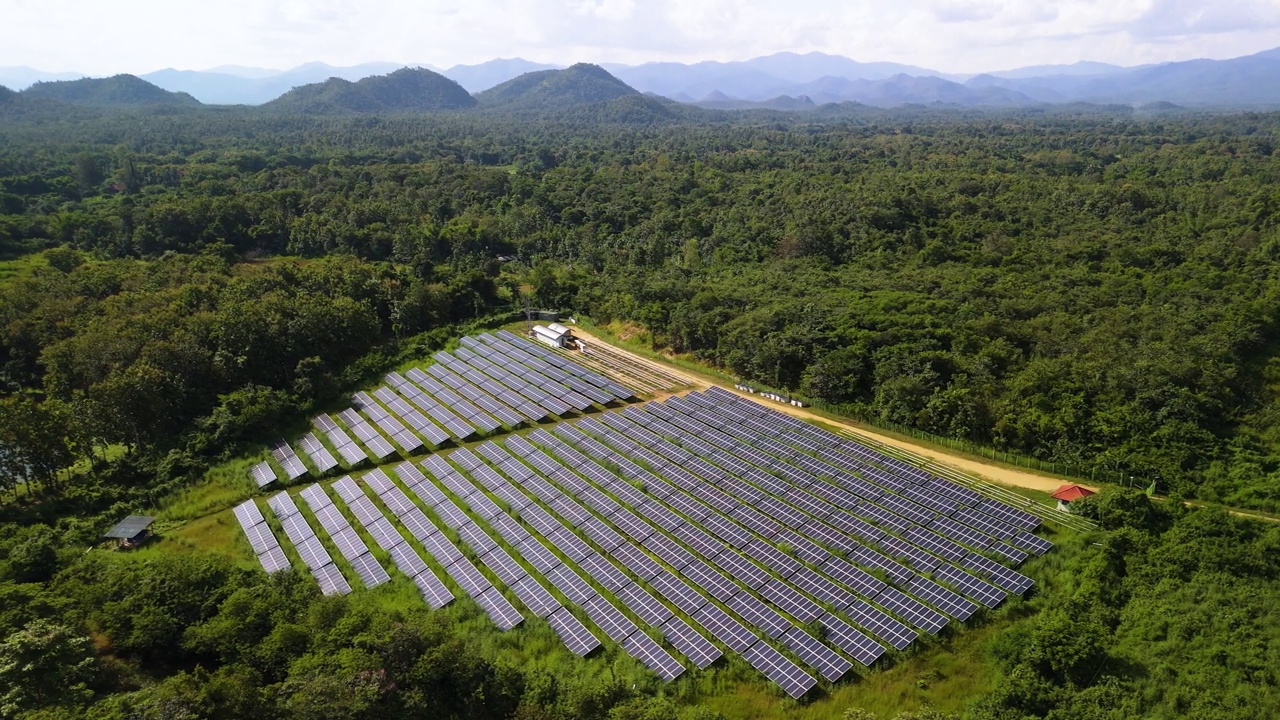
(552, 336)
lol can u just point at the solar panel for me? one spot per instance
(830, 664)
(248, 514)
(535, 596)
(790, 677)
(773, 558)
(439, 547)
(273, 559)
(724, 627)
(603, 571)
(935, 543)
(847, 638)
(503, 565)
(538, 555)
(262, 474)
(691, 643)
(319, 454)
(712, 581)
(602, 534)
(293, 466)
(1014, 582)
(914, 611)
(631, 526)
(499, 609)
(785, 596)
(408, 560)
(571, 545)
(643, 604)
(575, 635)
(282, 505)
(370, 572)
(942, 598)
(646, 650)
(985, 593)
(569, 582)
(1027, 541)
(668, 550)
(754, 611)
(678, 592)
(468, 576)
(433, 589)
(610, 619)
(729, 531)
(742, 569)
(331, 580)
(509, 529)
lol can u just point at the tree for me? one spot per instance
(45, 664)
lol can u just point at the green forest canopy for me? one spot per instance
(1088, 286)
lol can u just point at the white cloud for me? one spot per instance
(952, 35)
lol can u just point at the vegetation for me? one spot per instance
(404, 89)
(1083, 286)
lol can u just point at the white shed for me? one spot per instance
(548, 336)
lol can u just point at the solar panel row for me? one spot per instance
(310, 550)
(347, 448)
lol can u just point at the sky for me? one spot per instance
(101, 37)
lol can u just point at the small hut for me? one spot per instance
(1068, 494)
(131, 531)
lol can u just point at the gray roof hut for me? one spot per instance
(131, 531)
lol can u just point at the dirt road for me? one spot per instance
(987, 471)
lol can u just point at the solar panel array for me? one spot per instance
(390, 424)
(261, 539)
(368, 435)
(319, 454)
(347, 448)
(706, 520)
(310, 550)
(344, 537)
(288, 459)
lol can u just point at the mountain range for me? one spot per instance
(784, 81)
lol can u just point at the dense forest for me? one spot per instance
(1086, 286)
(1094, 289)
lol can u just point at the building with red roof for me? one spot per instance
(1067, 494)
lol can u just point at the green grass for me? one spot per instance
(21, 266)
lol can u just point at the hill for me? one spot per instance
(575, 85)
(232, 85)
(407, 89)
(115, 91)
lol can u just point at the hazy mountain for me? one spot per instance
(1080, 68)
(898, 90)
(118, 90)
(476, 78)
(20, 78)
(757, 79)
(240, 71)
(575, 85)
(1250, 81)
(407, 89)
(227, 88)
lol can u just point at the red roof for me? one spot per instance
(1067, 493)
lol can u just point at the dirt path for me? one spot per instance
(987, 471)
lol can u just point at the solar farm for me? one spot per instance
(678, 530)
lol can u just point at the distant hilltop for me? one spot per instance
(784, 81)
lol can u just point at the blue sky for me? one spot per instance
(107, 36)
